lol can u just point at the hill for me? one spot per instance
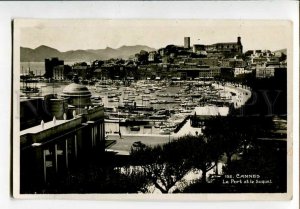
(284, 51)
(42, 52)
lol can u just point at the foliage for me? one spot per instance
(230, 135)
(163, 166)
(166, 165)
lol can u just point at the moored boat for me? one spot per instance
(135, 128)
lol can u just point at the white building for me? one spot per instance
(58, 72)
(211, 111)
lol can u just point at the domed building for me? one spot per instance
(51, 147)
(78, 95)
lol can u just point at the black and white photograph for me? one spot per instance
(200, 108)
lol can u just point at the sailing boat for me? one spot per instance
(29, 83)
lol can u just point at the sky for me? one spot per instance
(67, 35)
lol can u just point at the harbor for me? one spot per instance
(153, 111)
(135, 119)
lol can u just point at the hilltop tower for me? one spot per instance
(187, 43)
(240, 46)
(239, 40)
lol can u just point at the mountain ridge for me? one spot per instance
(42, 52)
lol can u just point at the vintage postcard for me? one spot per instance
(152, 109)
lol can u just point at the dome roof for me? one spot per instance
(76, 90)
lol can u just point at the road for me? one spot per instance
(123, 145)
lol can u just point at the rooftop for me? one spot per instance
(211, 111)
(225, 43)
(75, 89)
(38, 128)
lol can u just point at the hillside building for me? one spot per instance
(234, 48)
(198, 72)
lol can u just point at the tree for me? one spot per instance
(232, 135)
(143, 57)
(163, 165)
(167, 164)
(219, 131)
(202, 153)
